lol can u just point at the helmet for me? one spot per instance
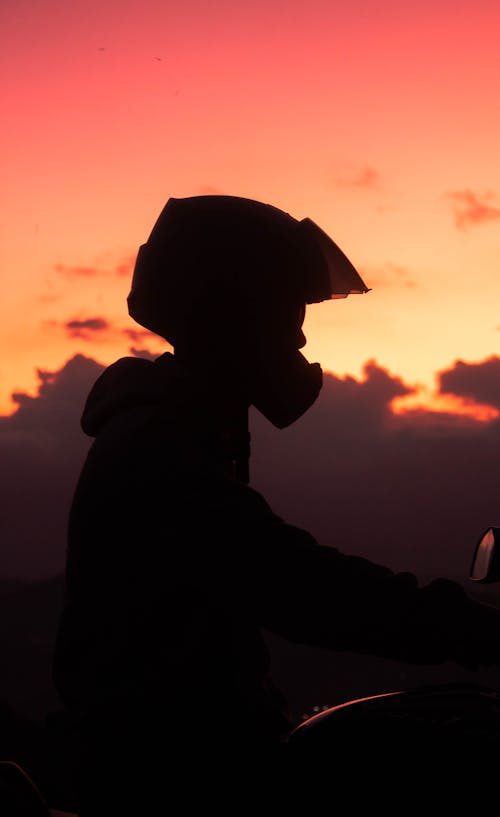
(235, 265)
(206, 247)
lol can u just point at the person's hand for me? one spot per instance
(447, 625)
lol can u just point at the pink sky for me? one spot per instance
(378, 119)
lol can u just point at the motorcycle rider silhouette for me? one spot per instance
(176, 566)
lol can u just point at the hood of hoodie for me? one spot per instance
(128, 383)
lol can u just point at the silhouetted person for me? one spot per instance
(175, 566)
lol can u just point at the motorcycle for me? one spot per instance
(427, 721)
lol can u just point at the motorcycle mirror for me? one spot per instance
(485, 566)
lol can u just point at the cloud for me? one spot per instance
(79, 272)
(389, 275)
(145, 353)
(48, 299)
(471, 209)
(138, 334)
(208, 190)
(86, 328)
(411, 491)
(97, 328)
(367, 178)
(126, 267)
(475, 382)
(42, 448)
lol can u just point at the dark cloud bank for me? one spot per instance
(411, 492)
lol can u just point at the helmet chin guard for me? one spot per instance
(286, 388)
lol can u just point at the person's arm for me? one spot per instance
(317, 595)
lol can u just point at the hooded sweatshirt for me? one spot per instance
(176, 570)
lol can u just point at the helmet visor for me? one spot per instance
(342, 278)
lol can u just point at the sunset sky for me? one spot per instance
(378, 119)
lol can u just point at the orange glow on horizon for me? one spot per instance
(443, 403)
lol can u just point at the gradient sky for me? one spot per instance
(378, 119)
